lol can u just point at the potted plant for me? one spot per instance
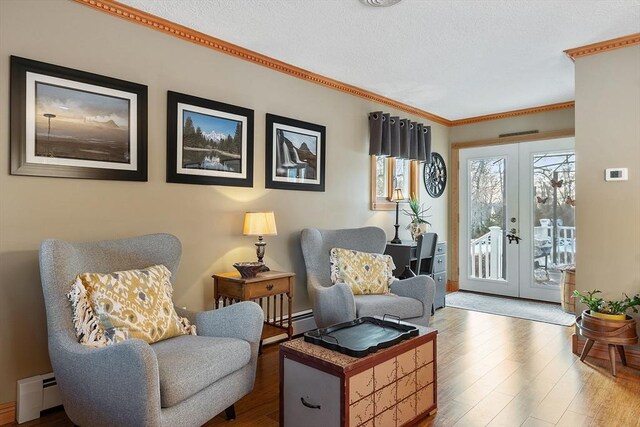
(607, 322)
(609, 310)
(417, 214)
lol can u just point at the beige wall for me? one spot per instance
(608, 135)
(208, 219)
(542, 122)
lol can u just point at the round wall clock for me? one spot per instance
(435, 175)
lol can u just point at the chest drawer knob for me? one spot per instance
(270, 286)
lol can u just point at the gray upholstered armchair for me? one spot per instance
(185, 380)
(411, 298)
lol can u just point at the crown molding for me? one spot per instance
(171, 28)
(591, 49)
(514, 113)
(148, 20)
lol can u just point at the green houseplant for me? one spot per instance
(607, 322)
(418, 214)
(611, 310)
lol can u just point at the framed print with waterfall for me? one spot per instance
(208, 142)
(295, 157)
(73, 124)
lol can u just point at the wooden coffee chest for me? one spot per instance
(395, 386)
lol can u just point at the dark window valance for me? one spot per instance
(400, 138)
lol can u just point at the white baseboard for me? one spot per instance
(303, 321)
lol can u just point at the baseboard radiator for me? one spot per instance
(303, 321)
(36, 394)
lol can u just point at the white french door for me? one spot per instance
(517, 229)
(488, 207)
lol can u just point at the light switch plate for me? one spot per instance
(616, 174)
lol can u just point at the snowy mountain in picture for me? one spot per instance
(215, 136)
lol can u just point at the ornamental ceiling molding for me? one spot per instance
(148, 20)
(592, 49)
(515, 113)
(139, 17)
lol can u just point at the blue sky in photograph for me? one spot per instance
(210, 124)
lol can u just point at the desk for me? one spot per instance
(404, 255)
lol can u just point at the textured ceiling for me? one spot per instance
(455, 59)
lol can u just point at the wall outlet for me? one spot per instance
(616, 174)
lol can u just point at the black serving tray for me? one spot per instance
(361, 336)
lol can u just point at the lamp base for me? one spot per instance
(396, 239)
(260, 248)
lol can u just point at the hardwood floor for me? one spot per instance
(492, 371)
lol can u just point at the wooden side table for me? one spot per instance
(265, 289)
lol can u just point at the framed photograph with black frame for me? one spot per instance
(295, 158)
(208, 142)
(74, 124)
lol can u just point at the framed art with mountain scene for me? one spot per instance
(295, 157)
(74, 124)
(208, 142)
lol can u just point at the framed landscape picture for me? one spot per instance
(73, 124)
(295, 155)
(208, 142)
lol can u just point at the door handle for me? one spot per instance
(512, 236)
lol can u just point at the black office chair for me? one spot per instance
(425, 251)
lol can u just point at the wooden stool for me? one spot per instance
(614, 333)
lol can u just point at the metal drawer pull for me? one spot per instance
(309, 405)
(439, 279)
(440, 261)
(269, 286)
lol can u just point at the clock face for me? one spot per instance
(435, 175)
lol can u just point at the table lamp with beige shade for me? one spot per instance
(260, 224)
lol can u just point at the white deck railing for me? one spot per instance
(486, 251)
(486, 255)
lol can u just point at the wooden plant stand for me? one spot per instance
(615, 333)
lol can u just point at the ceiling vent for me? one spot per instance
(379, 3)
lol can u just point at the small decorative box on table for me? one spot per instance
(394, 386)
(267, 289)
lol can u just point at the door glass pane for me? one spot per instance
(554, 230)
(487, 198)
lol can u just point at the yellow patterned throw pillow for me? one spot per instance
(364, 272)
(113, 307)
